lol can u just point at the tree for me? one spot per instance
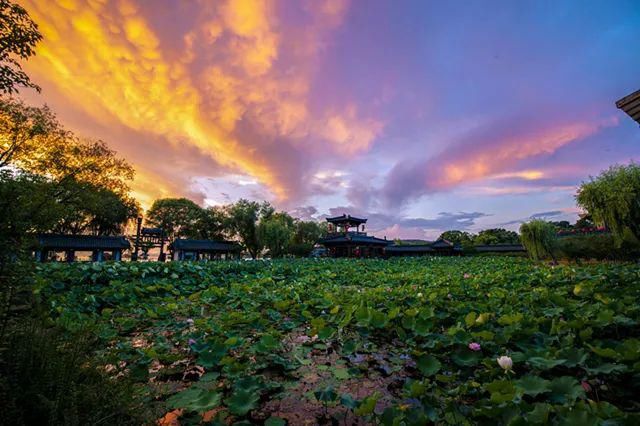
(462, 238)
(305, 235)
(275, 233)
(613, 200)
(33, 140)
(244, 217)
(539, 238)
(18, 38)
(496, 236)
(178, 217)
(213, 224)
(91, 209)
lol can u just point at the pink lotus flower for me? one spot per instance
(189, 321)
(466, 276)
(586, 386)
(474, 346)
(191, 342)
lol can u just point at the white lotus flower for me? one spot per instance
(505, 362)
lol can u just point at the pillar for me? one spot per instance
(117, 255)
(71, 255)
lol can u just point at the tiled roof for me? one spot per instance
(82, 242)
(631, 105)
(345, 218)
(203, 245)
(363, 239)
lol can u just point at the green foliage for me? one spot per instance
(267, 330)
(48, 377)
(596, 246)
(178, 217)
(539, 238)
(275, 233)
(613, 200)
(496, 236)
(18, 38)
(461, 238)
(244, 217)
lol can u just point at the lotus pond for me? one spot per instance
(397, 342)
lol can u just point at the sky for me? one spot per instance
(421, 115)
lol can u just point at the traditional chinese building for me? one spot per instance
(182, 249)
(69, 248)
(347, 238)
(440, 247)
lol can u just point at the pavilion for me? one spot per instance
(341, 241)
(98, 247)
(184, 249)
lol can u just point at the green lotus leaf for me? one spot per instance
(501, 391)
(428, 364)
(466, 357)
(275, 421)
(325, 395)
(565, 389)
(242, 401)
(367, 405)
(544, 363)
(533, 385)
(195, 399)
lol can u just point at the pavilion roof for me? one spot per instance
(345, 218)
(82, 242)
(355, 239)
(631, 105)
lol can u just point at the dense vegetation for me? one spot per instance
(395, 342)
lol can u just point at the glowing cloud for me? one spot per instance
(231, 86)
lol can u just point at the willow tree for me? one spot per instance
(539, 238)
(613, 200)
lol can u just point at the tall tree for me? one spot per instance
(613, 200)
(306, 234)
(33, 140)
(18, 38)
(90, 209)
(275, 232)
(178, 217)
(213, 224)
(244, 216)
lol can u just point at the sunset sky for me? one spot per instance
(422, 115)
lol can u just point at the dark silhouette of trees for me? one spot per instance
(18, 38)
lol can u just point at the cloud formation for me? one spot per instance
(229, 78)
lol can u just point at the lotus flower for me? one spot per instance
(505, 363)
(191, 342)
(190, 321)
(474, 346)
(586, 386)
(466, 276)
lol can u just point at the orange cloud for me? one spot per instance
(227, 69)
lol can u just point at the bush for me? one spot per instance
(538, 237)
(46, 378)
(596, 246)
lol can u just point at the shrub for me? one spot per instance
(596, 246)
(539, 238)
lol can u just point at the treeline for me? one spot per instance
(51, 180)
(612, 202)
(485, 237)
(257, 226)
